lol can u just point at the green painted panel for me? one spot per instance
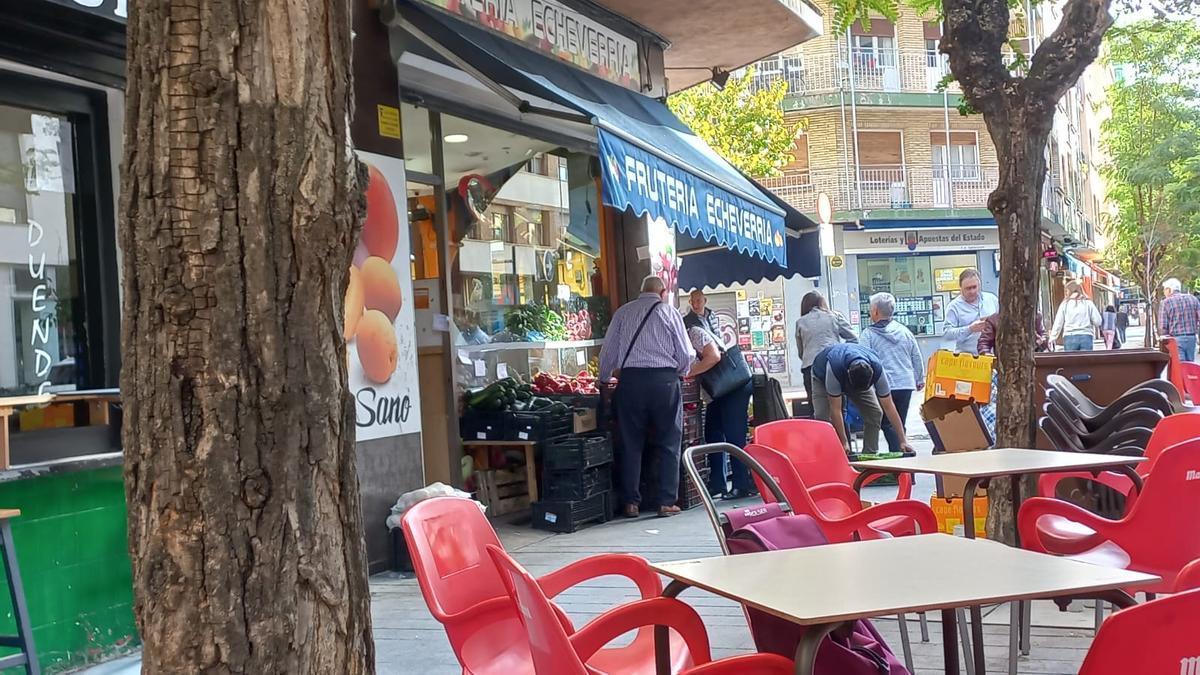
(74, 559)
(869, 98)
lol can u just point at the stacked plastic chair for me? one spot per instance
(1075, 423)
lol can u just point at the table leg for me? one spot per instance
(662, 634)
(949, 642)
(1014, 635)
(969, 532)
(1017, 623)
(810, 643)
(862, 478)
(531, 472)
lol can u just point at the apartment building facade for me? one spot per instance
(909, 176)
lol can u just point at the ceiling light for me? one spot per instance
(456, 138)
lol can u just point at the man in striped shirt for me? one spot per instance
(646, 349)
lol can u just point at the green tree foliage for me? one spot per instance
(1152, 139)
(745, 125)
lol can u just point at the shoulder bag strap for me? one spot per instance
(636, 333)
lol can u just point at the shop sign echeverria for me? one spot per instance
(636, 179)
(549, 27)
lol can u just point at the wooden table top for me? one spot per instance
(997, 462)
(858, 580)
(32, 399)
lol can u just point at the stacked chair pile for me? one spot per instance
(1074, 423)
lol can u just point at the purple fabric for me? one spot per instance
(663, 343)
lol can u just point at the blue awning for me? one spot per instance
(651, 162)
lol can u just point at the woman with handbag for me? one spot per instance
(725, 377)
(817, 328)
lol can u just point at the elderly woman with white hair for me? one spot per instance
(897, 350)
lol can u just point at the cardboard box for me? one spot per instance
(53, 416)
(959, 376)
(949, 514)
(955, 426)
(585, 420)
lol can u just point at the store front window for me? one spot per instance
(41, 319)
(922, 284)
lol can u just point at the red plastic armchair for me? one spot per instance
(814, 450)
(1072, 537)
(1160, 636)
(1191, 380)
(1159, 535)
(555, 651)
(899, 517)
(448, 538)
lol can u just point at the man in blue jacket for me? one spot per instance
(853, 371)
(897, 349)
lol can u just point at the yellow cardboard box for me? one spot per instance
(957, 375)
(949, 514)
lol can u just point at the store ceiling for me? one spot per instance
(754, 29)
(486, 149)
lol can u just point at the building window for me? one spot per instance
(57, 225)
(959, 161)
(537, 165)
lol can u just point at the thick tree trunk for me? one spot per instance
(240, 208)
(1017, 206)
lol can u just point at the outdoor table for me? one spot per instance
(979, 467)
(829, 587)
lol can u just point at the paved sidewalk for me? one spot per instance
(408, 640)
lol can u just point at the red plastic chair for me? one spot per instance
(1160, 636)
(1071, 537)
(815, 452)
(900, 517)
(448, 539)
(1159, 535)
(555, 651)
(1191, 380)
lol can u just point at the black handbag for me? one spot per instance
(769, 405)
(730, 374)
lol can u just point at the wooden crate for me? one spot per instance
(503, 492)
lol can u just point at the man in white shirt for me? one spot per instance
(965, 315)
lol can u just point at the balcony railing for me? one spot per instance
(889, 187)
(863, 69)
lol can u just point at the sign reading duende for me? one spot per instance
(634, 178)
(557, 30)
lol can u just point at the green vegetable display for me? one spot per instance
(535, 322)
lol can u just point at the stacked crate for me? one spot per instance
(576, 482)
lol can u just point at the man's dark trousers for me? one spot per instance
(901, 397)
(650, 416)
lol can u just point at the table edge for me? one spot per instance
(989, 600)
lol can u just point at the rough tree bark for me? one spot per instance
(1019, 113)
(240, 208)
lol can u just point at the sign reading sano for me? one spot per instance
(551, 28)
(899, 241)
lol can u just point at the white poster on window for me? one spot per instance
(379, 322)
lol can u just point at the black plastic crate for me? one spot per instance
(690, 390)
(536, 425)
(577, 452)
(484, 426)
(576, 484)
(569, 516)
